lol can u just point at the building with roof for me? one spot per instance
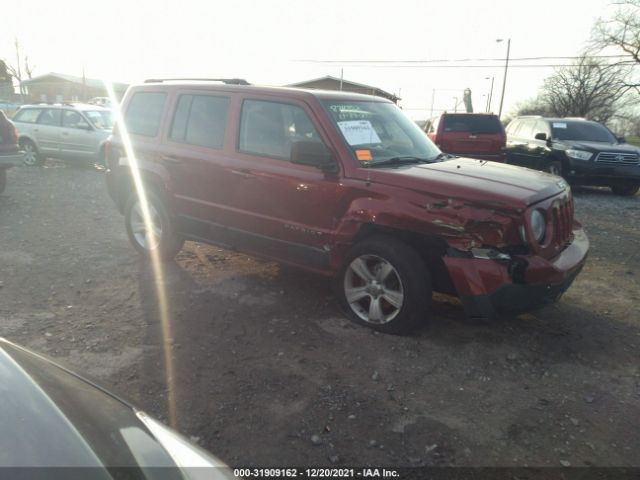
(59, 88)
(333, 83)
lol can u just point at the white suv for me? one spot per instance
(64, 131)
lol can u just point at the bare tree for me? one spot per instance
(620, 32)
(590, 88)
(15, 70)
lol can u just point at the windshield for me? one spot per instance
(102, 119)
(377, 132)
(586, 131)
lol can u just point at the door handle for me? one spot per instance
(170, 159)
(242, 173)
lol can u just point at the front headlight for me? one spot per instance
(578, 154)
(538, 225)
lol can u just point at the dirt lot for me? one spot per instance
(267, 372)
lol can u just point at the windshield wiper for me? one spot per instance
(404, 160)
(441, 157)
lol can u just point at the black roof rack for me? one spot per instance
(228, 81)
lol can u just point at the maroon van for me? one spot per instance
(473, 135)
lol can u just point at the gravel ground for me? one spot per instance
(259, 366)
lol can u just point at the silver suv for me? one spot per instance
(64, 131)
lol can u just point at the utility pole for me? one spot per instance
(433, 97)
(504, 80)
(490, 96)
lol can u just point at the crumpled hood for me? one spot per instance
(475, 181)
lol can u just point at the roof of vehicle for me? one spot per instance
(555, 119)
(294, 92)
(79, 106)
(487, 114)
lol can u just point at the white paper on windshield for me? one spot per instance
(358, 132)
(559, 125)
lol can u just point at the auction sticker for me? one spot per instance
(359, 132)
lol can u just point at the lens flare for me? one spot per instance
(156, 262)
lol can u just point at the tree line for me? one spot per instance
(606, 91)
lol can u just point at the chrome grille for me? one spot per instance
(613, 158)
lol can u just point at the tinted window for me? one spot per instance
(472, 124)
(200, 120)
(50, 116)
(73, 119)
(587, 131)
(144, 113)
(268, 128)
(29, 115)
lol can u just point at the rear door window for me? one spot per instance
(200, 120)
(50, 116)
(479, 124)
(144, 113)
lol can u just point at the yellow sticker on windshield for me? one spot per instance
(364, 155)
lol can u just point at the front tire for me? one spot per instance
(554, 167)
(385, 285)
(625, 190)
(159, 235)
(32, 157)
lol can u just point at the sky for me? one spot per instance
(278, 42)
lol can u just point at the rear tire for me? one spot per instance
(384, 285)
(161, 237)
(32, 157)
(625, 190)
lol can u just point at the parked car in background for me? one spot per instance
(101, 101)
(61, 425)
(582, 151)
(9, 150)
(65, 131)
(344, 185)
(473, 135)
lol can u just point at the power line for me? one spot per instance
(538, 65)
(457, 60)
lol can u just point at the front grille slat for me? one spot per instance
(563, 221)
(613, 158)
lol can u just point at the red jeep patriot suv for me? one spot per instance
(343, 185)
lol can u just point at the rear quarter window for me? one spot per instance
(30, 115)
(144, 113)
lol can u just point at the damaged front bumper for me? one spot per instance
(489, 283)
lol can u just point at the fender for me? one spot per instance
(459, 224)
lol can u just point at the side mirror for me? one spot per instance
(314, 154)
(621, 140)
(541, 136)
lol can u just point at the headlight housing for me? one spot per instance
(538, 226)
(578, 154)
